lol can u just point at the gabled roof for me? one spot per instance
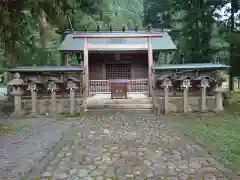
(190, 66)
(117, 41)
(46, 69)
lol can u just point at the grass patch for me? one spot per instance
(72, 115)
(218, 134)
(12, 128)
(234, 97)
(63, 116)
(6, 106)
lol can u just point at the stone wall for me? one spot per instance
(63, 105)
(176, 103)
(44, 106)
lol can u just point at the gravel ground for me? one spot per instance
(21, 150)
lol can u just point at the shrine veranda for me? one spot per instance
(117, 67)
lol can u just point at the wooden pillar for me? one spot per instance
(150, 64)
(203, 98)
(34, 101)
(86, 69)
(65, 55)
(82, 86)
(154, 98)
(103, 71)
(53, 102)
(185, 100)
(72, 101)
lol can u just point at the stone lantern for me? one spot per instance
(204, 84)
(72, 86)
(186, 84)
(53, 86)
(33, 87)
(166, 83)
(221, 76)
(219, 99)
(17, 85)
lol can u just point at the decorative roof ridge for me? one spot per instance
(119, 32)
(116, 34)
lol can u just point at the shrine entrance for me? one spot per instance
(117, 64)
(129, 66)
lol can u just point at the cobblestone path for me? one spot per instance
(129, 147)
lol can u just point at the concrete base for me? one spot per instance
(138, 101)
(123, 111)
(44, 106)
(176, 104)
(129, 95)
(17, 114)
(120, 106)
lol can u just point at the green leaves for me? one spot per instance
(197, 36)
(196, 26)
(108, 12)
(29, 40)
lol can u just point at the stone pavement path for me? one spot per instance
(21, 150)
(129, 147)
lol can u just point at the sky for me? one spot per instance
(226, 15)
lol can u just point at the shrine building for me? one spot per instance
(126, 56)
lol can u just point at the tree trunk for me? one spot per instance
(231, 48)
(42, 22)
(8, 53)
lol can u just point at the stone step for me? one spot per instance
(120, 106)
(119, 101)
(125, 111)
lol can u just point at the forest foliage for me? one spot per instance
(31, 30)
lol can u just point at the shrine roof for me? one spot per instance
(117, 41)
(46, 69)
(191, 66)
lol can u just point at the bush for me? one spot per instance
(6, 106)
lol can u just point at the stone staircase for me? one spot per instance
(138, 105)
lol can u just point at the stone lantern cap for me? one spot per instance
(35, 80)
(17, 81)
(202, 77)
(163, 77)
(33, 83)
(72, 82)
(182, 77)
(54, 79)
(72, 85)
(74, 79)
(53, 83)
(167, 82)
(205, 82)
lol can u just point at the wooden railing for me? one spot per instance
(236, 83)
(103, 86)
(138, 85)
(99, 86)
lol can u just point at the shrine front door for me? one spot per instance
(118, 71)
